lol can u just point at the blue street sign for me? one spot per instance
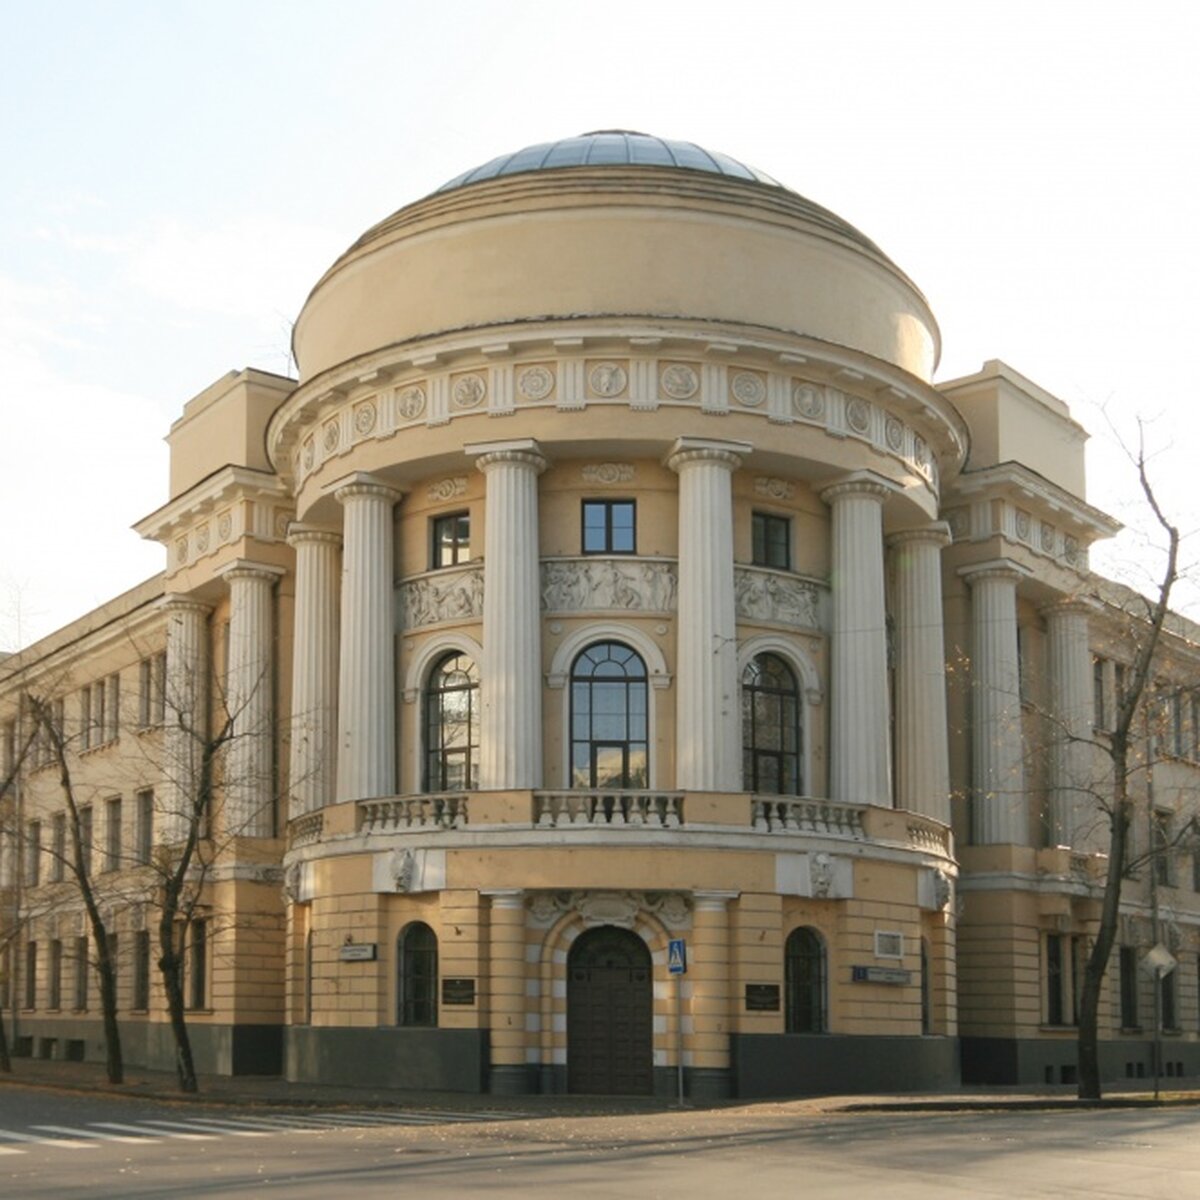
(677, 956)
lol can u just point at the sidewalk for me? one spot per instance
(276, 1092)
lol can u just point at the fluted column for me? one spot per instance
(709, 973)
(860, 766)
(998, 813)
(186, 716)
(707, 704)
(506, 991)
(250, 700)
(1071, 717)
(510, 734)
(312, 767)
(366, 756)
(922, 764)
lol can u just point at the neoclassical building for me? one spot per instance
(614, 591)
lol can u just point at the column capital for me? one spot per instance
(713, 901)
(362, 483)
(936, 532)
(245, 568)
(504, 897)
(994, 568)
(181, 604)
(298, 534)
(859, 483)
(687, 450)
(1083, 606)
(523, 451)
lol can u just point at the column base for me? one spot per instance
(511, 1080)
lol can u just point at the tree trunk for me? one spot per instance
(113, 1058)
(170, 964)
(5, 1060)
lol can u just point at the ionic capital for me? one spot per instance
(184, 604)
(995, 568)
(363, 484)
(937, 533)
(244, 568)
(521, 451)
(860, 483)
(299, 534)
(688, 450)
(1066, 606)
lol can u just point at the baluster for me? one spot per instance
(673, 818)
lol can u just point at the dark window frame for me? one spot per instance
(438, 757)
(141, 971)
(608, 529)
(591, 683)
(771, 540)
(759, 701)
(458, 545)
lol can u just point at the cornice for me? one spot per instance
(228, 484)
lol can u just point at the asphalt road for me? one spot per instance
(59, 1147)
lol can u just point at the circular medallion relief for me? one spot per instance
(893, 430)
(330, 436)
(469, 391)
(364, 419)
(858, 414)
(535, 383)
(748, 389)
(807, 401)
(1022, 525)
(310, 451)
(679, 381)
(202, 539)
(410, 402)
(224, 526)
(1047, 537)
(607, 379)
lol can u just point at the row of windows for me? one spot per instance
(74, 954)
(1174, 711)
(609, 723)
(610, 527)
(98, 719)
(61, 847)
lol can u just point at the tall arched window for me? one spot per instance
(609, 738)
(804, 981)
(771, 744)
(416, 975)
(452, 725)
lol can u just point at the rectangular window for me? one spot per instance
(33, 853)
(114, 957)
(81, 974)
(1129, 987)
(609, 527)
(1178, 741)
(85, 718)
(1055, 980)
(1118, 688)
(771, 541)
(86, 830)
(1099, 708)
(54, 983)
(145, 828)
(99, 719)
(1170, 1012)
(58, 850)
(1195, 706)
(112, 834)
(31, 974)
(141, 970)
(8, 746)
(152, 695)
(1079, 957)
(112, 708)
(451, 540)
(198, 965)
(1161, 865)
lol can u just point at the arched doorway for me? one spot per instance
(610, 1014)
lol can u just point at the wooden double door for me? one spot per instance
(610, 1004)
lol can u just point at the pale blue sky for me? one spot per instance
(175, 176)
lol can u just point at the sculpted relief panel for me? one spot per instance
(572, 585)
(446, 596)
(776, 598)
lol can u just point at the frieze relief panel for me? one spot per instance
(597, 584)
(442, 597)
(433, 397)
(776, 598)
(983, 518)
(544, 909)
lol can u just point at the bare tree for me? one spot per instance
(1126, 749)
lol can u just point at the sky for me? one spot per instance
(174, 177)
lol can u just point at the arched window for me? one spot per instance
(609, 739)
(770, 727)
(416, 975)
(804, 981)
(452, 725)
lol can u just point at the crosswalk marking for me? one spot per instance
(84, 1134)
(11, 1135)
(205, 1128)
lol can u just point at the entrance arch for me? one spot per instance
(610, 1008)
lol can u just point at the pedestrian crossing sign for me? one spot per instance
(677, 956)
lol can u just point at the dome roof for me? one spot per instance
(608, 148)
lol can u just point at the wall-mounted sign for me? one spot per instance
(458, 991)
(896, 976)
(762, 997)
(358, 952)
(677, 956)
